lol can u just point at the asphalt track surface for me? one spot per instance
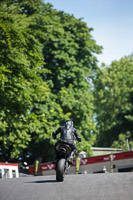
(117, 186)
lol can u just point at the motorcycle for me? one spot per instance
(64, 160)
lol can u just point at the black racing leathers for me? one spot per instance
(67, 135)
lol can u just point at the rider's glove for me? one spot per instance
(53, 135)
(79, 139)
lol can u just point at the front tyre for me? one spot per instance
(60, 170)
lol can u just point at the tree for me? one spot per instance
(123, 142)
(20, 82)
(113, 99)
(69, 53)
(45, 78)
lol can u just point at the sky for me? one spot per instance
(111, 20)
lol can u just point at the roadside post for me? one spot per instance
(78, 160)
(111, 163)
(77, 165)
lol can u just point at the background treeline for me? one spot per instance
(49, 73)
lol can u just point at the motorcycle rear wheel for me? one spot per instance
(60, 170)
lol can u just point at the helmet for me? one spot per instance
(69, 124)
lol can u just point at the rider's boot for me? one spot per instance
(71, 158)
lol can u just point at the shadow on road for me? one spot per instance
(43, 181)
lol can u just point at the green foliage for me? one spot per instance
(20, 83)
(47, 64)
(47, 61)
(123, 142)
(69, 54)
(113, 98)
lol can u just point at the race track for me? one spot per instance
(117, 186)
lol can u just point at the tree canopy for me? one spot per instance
(47, 61)
(114, 106)
(49, 73)
(20, 82)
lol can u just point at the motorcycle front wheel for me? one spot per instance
(60, 170)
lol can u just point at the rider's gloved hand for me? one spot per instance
(79, 139)
(53, 135)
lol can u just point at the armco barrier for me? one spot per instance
(48, 168)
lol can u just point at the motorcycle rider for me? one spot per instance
(68, 136)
